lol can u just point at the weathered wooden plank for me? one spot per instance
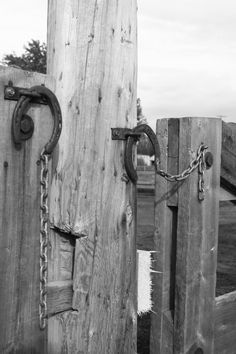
(19, 215)
(226, 195)
(225, 314)
(59, 296)
(228, 154)
(161, 337)
(60, 256)
(197, 240)
(92, 55)
(173, 159)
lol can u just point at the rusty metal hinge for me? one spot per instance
(131, 136)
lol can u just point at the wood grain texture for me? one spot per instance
(19, 215)
(225, 194)
(197, 240)
(173, 159)
(228, 156)
(225, 314)
(60, 256)
(92, 55)
(59, 296)
(161, 333)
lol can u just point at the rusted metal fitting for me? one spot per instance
(209, 159)
(26, 124)
(131, 136)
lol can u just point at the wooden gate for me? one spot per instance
(19, 213)
(91, 288)
(188, 317)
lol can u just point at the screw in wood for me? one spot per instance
(10, 91)
(209, 159)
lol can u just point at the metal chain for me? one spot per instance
(198, 162)
(201, 183)
(43, 239)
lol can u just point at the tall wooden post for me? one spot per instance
(92, 56)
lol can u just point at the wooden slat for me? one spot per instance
(161, 333)
(59, 296)
(228, 156)
(19, 218)
(197, 240)
(226, 195)
(92, 55)
(225, 326)
(173, 159)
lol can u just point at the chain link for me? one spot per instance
(43, 239)
(201, 183)
(198, 162)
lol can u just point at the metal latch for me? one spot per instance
(13, 93)
(123, 134)
(131, 136)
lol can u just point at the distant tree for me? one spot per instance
(144, 145)
(33, 59)
(140, 117)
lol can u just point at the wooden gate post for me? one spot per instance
(186, 232)
(92, 56)
(19, 219)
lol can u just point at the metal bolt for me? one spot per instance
(26, 124)
(209, 159)
(115, 133)
(10, 91)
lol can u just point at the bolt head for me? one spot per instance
(10, 91)
(116, 133)
(26, 124)
(209, 159)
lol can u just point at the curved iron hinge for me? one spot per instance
(22, 124)
(131, 136)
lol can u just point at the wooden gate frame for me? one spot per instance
(187, 317)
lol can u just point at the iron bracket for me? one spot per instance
(131, 136)
(123, 134)
(13, 93)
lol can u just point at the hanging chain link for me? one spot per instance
(201, 183)
(198, 162)
(43, 239)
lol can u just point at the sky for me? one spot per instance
(186, 53)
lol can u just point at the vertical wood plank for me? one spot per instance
(197, 240)
(173, 159)
(162, 317)
(19, 217)
(92, 55)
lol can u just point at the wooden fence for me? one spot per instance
(91, 280)
(187, 317)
